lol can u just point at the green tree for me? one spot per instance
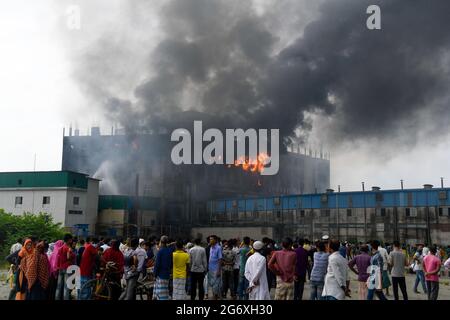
(39, 225)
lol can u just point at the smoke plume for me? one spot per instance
(270, 64)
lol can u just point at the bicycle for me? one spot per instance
(145, 285)
(101, 288)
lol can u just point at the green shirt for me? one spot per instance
(243, 259)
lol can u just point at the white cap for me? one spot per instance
(257, 245)
(141, 240)
(325, 237)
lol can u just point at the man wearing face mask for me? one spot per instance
(418, 268)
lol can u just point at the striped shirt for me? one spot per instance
(320, 266)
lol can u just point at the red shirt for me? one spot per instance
(66, 257)
(88, 260)
(115, 256)
(283, 263)
(431, 263)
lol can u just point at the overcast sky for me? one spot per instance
(51, 77)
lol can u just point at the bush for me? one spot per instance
(39, 225)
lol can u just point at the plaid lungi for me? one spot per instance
(179, 289)
(215, 282)
(161, 289)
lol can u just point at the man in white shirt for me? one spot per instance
(337, 274)
(255, 272)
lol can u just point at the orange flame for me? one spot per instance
(252, 165)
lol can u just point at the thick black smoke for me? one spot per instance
(221, 58)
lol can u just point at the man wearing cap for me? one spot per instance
(255, 273)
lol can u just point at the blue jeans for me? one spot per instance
(328, 298)
(242, 287)
(420, 277)
(86, 293)
(316, 290)
(379, 293)
(62, 291)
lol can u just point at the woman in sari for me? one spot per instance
(53, 276)
(37, 273)
(21, 280)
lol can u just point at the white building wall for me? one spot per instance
(32, 201)
(61, 203)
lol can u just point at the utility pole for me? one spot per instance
(365, 212)
(442, 182)
(401, 184)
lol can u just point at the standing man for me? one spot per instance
(432, 266)
(375, 282)
(385, 274)
(301, 268)
(255, 273)
(180, 266)
(319, 270)
(236, 266)
(214, 267)
(228, 261)
(397, 260)
(243, 257)
(283, 264)
(162, 270)
(131, 270)
(362, 262)
(87, 267)
(199, 266)
(336, 278)
(66, 258)
(114, 255)
(418, 268)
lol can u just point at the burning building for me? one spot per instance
(139, 165)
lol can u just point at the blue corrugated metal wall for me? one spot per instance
(368, 199)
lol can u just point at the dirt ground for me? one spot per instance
(444, 288)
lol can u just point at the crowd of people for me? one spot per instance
(244, 269)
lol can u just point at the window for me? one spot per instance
(408, 212)
(448, 212)
(302, 213)
(19, 182)
(383, 212)
(441, 212)
(75, 212)
(76, 201)
(326, 213)
(349, 212)
(46, 200)
(278, 214)
(19, 201)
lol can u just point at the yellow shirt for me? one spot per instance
(180, 261)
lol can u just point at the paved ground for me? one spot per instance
(444, 289)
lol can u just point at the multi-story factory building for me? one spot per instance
(139, 165)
